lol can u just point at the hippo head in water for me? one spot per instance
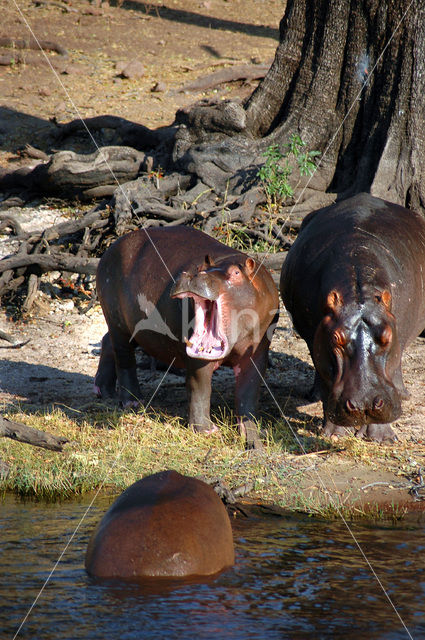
(230, 306)
(357, 355)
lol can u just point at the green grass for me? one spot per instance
(110, 449)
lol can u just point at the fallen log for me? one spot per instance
(29, 435)
(70, 174)
(241, 72)
(8, 221)
(14, 343)
(271, 260)
(32, 43)
(51, 262)
(127, 133)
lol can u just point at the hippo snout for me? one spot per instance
(380, 407)
(203, 284)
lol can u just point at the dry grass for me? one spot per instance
(110, 449)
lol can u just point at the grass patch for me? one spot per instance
(110, 449)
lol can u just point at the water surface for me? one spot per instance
(293, 578)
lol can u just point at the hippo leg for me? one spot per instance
(125, 366)
(106, 377)
(249, 374)
(314, 394)
(331, 429)
(377, 433)
(198, 386)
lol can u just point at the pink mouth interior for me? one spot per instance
(208, 340)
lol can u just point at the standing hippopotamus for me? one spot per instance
(354, 284)
(143, 282)
(165, 525)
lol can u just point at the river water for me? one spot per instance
(293, 578)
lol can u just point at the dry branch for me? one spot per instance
(32, 43)
(35, 437)
(14, 343)
(51, 262)
(63, 228)
(61, 5)
(242, 72)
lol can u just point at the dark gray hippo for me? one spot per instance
(354, 284)
(190, 301)
(165, 525)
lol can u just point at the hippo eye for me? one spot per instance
(234, 271)
(338, 337)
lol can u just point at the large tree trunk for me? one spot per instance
(349, 77)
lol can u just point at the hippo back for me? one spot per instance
(356, 246)
(165, 525)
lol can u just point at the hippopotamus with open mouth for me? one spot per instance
(353, 282)
(145, 282)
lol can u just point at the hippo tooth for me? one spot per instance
(188, 342)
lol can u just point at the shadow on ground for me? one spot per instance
(209, 22)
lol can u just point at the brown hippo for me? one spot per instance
(166, 525)
(144, 281)
(354, 284)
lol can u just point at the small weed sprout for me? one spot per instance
(276, 171)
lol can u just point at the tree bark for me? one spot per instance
(349, 78)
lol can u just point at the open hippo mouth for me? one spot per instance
(208, 340)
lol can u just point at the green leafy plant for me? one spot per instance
(276, 171)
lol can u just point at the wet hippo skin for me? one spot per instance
(354, 284)
(152, 284)
(165, 525)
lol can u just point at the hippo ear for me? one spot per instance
(250, 266)
(334, 301)
(385, 298)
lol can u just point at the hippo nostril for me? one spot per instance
(350, 406)
(378, 403)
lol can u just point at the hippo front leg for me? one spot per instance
(314, 394)
(249, 373)
(377, 433)
(331, 429)
(374, 432)
(198, 386)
